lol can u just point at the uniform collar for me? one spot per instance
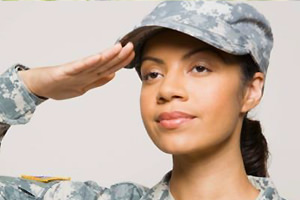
(266, 186)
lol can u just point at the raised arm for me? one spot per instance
(22, 89)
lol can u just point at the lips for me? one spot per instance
(172, 120)
(173, 115)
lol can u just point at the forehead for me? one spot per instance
(171, 38)
(168, 40)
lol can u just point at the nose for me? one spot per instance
(172, 87)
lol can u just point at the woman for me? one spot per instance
(202, 66)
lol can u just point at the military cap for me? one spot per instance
(235, 28)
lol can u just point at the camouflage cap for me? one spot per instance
(235, 28)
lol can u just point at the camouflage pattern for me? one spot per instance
(17, 105)
(236, 28)
(17, 188)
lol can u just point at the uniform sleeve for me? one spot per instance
(17, 104)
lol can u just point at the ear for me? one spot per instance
(253, 93)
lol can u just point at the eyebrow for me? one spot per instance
(186, 56)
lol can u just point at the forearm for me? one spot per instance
(17, 104)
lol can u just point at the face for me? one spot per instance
(190, 96)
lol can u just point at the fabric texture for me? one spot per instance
(235, 28)
(17, 105)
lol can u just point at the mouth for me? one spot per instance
(173, 120)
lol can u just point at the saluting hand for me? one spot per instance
(77, 77)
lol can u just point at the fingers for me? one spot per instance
(88, 63)
(123, 55)
(119, 65)
(121, 60)
(109, 74)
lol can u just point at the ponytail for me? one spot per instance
(253, 144)
(254, 148)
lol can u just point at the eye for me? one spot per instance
(150, 76)
(200, 68)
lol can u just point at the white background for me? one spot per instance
(100, 136)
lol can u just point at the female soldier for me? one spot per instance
(202, 67)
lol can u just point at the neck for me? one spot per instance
(215, 175)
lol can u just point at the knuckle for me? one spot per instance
(84, 63)
(81, 91)
(120, 57)
(102, 57)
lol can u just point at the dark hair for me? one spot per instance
(253, 144)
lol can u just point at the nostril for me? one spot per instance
(161, 100)
(177, 97)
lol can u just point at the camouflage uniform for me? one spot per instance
(17, 104)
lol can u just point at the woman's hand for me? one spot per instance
(77, 77)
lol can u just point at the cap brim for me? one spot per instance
(139, 35)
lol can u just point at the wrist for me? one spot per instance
(25, 76)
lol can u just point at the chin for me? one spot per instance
(187, 140)
(186, 144)
(176, 145)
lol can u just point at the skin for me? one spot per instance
(207, 162)
(77, 77)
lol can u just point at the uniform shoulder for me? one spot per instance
(127, 191)
(20, 188)
(268, 190)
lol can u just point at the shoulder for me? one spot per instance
(18, 188)
(91, 190)
(268, 190)
(128, 190)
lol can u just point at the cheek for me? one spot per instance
(146, 105)
(218, 104)
(149, 109)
